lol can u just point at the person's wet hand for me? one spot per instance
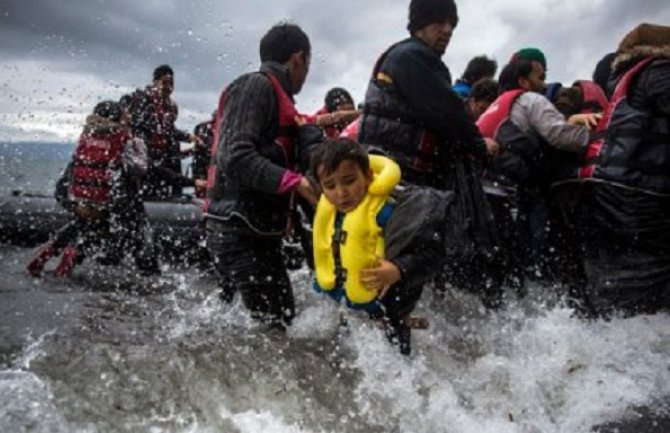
(492, 147)
(200, 186)
(589, 120)
(382, 275)
(196, 140)
(307, 191)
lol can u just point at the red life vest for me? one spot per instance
(497, 113)
(159, 139)
(96, 159)
(618, 99)
(594, 99)
(285, 135)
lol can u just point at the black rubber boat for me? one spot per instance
(178, 228)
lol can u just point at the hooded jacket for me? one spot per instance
(634, 147)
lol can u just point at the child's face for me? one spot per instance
(345, 187)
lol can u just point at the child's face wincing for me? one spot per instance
(345, 187)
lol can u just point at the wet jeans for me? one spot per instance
(254, 267)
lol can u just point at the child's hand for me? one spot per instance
(380, 277)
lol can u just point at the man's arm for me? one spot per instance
(549, 123)
(423, 80)
(248, 119)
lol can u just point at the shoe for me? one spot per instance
(44, 253)
(399, 335)
(67, 262)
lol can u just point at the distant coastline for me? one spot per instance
(37, 150)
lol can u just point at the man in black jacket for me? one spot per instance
(414, 116)
(621, 203)
(255, 180)
(410, 109)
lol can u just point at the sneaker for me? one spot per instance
(44, 253)
(67, 262)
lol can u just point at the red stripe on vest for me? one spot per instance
(592, 95)
(158, 138)
(620, 94)
(287, 115)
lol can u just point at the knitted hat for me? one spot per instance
(424, 12)
(531, 54)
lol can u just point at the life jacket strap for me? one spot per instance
(339, 236)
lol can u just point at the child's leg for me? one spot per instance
(64, 236)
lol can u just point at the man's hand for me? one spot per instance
(196, 140)
(306, 190)
(200, 187)
(589, 120)
(492, 147)
(380, 277)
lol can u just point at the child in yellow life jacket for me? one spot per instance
(375, 242)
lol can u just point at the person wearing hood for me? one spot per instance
(103, 193)
(620, 203)
(255, 177)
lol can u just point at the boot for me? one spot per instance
(44, 253)
(67, 262)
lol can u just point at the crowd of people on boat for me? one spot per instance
(481, 184)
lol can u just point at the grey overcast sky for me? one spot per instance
(59, 57)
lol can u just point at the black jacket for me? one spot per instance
(249, 164)
(414, 234)
(417, 98)
(636, 148)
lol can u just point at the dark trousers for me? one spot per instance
(255, 268)
(624, 239)
(108, 239)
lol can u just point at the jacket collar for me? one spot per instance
(282, 75)
(635, 54)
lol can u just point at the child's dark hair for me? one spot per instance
(485, 89)
(332, 152)
(109, 110)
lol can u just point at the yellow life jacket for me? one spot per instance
(360, 238)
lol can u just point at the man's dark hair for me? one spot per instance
(333, 152)
(512, 72)
(479, 67)
(282, 41)
(161, 71)
(485, 89)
